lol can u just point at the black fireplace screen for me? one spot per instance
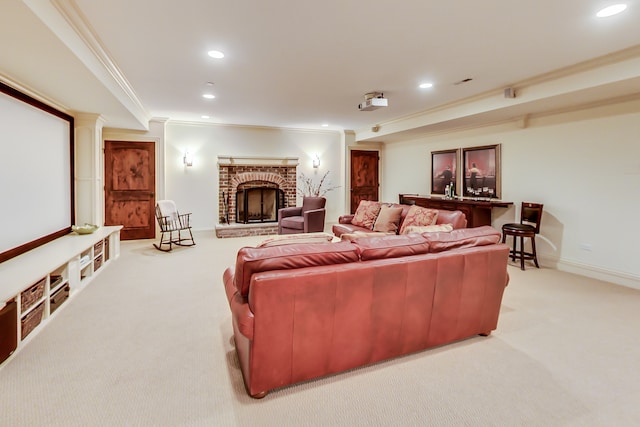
(258, 204)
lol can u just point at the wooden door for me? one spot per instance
(364, 177)
(130, 176)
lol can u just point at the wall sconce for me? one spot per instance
(187, 159)
(316, 161)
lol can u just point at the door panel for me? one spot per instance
(130, 188)
(364, 177)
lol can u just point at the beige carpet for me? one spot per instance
(148, 343)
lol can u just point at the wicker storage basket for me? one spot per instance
(31, 320)
(30, 296)
(97, 248)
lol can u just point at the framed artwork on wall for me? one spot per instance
(444, 170)
(481, 173)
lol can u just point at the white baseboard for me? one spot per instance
(612, 276)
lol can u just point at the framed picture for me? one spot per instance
(481, 171)
(444, 166)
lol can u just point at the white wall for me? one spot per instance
(195, 188)
(585, 168)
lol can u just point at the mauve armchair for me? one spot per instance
(307, 218)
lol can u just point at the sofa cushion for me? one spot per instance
(391, 246)
(286, 257)
(288, 239)
(419, 216)
(294, 222)
(462, 238)
(455, 218)
(428, 228)
(388, 219)
(366, 214)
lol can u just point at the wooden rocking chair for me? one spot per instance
(170, 221)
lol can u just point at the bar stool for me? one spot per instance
(529, 226)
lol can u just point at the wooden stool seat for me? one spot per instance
(529, 226)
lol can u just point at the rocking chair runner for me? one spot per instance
(170, 221)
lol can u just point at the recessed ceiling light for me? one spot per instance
(425, 85)
(208, 96)
(215, 54)
(611, 10)
(205, 117)
(325, 125)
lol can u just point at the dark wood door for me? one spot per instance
(130, 176)
(364, 177)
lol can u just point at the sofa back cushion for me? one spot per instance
(455, 218)
(285, 257)
(462, 238)
(391, 246)
(310, 203)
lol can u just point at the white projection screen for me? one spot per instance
(36, 173)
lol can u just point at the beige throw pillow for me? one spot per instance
(428, 228)
(388, 219)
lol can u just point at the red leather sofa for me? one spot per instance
(456, 218)
(302, 311)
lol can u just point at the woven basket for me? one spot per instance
(30, 296)
(31, 320)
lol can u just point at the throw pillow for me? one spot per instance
(388, 219)
(428, 228)
(419, 216)
(288, 239)
(366, 214)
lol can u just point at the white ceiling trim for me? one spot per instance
(609, 71)
(66, 21)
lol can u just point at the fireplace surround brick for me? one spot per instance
(233, 171)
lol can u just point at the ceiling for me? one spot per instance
(302, 64)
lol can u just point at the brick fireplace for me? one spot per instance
(242, 173)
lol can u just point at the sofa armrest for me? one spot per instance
(291, 211)
(345, 219)
(314, 220)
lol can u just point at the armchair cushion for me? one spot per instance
(312, 203)
(291, 211)
(294, 222)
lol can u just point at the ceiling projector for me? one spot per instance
(373, 101)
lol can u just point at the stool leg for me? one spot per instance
(533, 251)
(513, 253)
(521, 253)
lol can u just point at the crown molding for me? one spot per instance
(66, 21)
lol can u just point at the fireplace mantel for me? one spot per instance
(257, 161)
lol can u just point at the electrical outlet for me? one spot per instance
(586, 247)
